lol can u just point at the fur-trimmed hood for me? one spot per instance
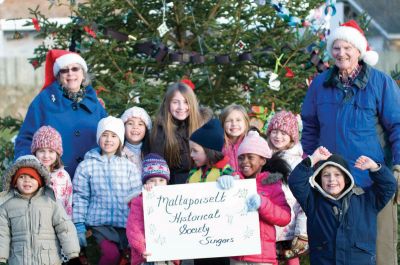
(337, 161)
(24, 161)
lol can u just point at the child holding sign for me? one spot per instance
(206, 145)
(255, 161)
(155, 172)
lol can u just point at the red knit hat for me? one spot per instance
(57, 59)
(286, 122)
(47, 137)
(27, 171)
(352, 33)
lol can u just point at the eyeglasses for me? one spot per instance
(72, 69)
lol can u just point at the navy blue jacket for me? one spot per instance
(362, 120)
(76, 122)
(343, 231)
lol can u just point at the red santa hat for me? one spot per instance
(352, 33)
(57, 59)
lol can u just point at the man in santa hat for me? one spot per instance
(353, 109)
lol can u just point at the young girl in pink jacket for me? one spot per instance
(255, 161)
(155, 172)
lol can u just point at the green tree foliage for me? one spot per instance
(124, 76)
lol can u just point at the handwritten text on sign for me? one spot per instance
(199, 221)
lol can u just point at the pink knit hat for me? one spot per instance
(47, 137)
(286, 122)
(253, 143)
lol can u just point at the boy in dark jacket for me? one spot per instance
(341, 217)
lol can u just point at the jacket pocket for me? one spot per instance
(17, 255)
(363, 252)
(49, 254)
(18, 221)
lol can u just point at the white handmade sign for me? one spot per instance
(200, 221)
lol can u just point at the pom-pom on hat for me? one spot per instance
(110, 123)
(137, 112)
(57, 59)
(47, 137)
(210, 135)
(286, 122)
(154, 165)
(27, 171)
(352, 33)
(253, 143)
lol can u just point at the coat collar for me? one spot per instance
(332, 77)
(89, 103)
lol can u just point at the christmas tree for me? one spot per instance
(248, 52)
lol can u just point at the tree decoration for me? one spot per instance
(35, 23)
(201, 42)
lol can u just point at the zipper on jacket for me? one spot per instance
(111, 192)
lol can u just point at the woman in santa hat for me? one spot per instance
(353, 109)
(68, 103)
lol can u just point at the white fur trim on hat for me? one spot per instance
(110, 123)
(137, 112)
(357, 39)
(67, 59)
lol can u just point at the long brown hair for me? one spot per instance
(165, 119)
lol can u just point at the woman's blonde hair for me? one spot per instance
(165, 119)
(228, 110)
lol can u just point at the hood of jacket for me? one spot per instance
(24, 161)
(339, 162)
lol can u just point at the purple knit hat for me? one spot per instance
(47, 137)
(154, 165)
(286, 122)
(253, 143)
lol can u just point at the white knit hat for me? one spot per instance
(67, 59)
(352, 33)
(137, 112)
(110, 123)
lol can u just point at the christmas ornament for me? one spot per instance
(90, 31)
(36, 25)
(289, 72)
(273, 82)
(163, 28)
(240, 44)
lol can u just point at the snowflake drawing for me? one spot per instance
(248, 233)
(241, 193)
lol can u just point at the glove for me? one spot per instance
(81, 230)
(300, 245)
(253, 203)
(226, 182)
(396, 173)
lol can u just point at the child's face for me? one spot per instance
(332, 180)
(179, 107)
(135, 130)
(235, 124)
(27, 185)
(280, 139)
(250, 164)
(109, 143)
(197, 154)
(157, 181)
(46, 156)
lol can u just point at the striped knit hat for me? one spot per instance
(47, 137)
(154, 165)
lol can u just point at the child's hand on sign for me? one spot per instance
(146, 254)
(148, 186)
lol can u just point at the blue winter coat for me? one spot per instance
(76, 122)
(351, 123)
(342, 231)
(102, 188)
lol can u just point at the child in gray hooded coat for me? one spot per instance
(33, 226)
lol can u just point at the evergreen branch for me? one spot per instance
(139, 14)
